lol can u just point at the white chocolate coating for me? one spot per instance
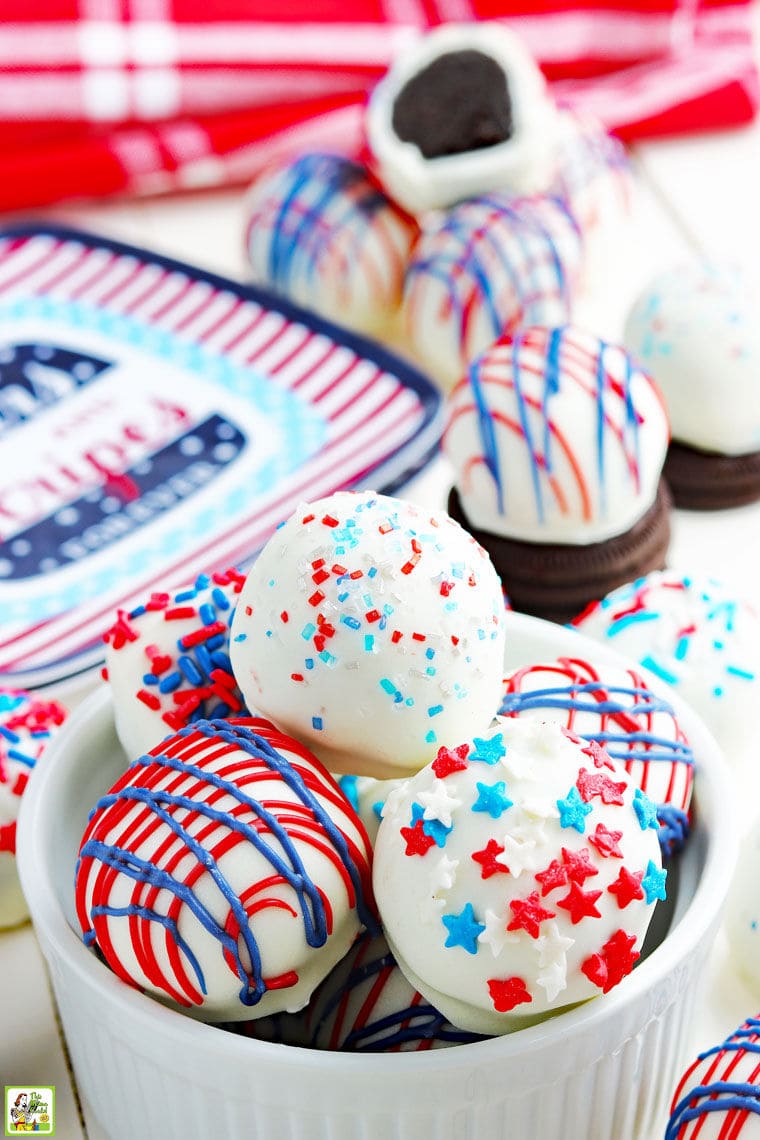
(523, 164)
(322, 233)
(694, 633)
(167, 662)
(27, 724)
(483, 270)
(695, 329)
(616, 707)
(373, 630)
(556, 436)
(516, 875)
(225, 873)
(594, 176)
(742, 922)
(718, 1097)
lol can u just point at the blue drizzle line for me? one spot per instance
(673, 830)
(569, 698)
(487, 435)
(729, 1096)
(290, 867)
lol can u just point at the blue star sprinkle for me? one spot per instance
(490, 751)
(646, 810)
(437, 830)
(492, 798)
(653, 882)
(573, 811)
(463, 929)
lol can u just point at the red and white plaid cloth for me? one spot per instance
(102, 97)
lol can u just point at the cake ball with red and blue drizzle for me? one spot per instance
(322, 233)
(616, 707)
(167, 660)
(557, 441)
(366, 1005)
(694, 633)
(27, 725)
(224, 873)
(483, 269)
(718, 1097)
(373, 629)
(517, 874)
(594, 175)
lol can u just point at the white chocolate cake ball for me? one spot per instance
(373, 630)
(439, 132)
(27, 725)
(167, 661)
(695, 329)
(617, 708)
(594, 175)
(483, 270)
(694, 633)
(718, 1097)
(517, 875)
(556, 437)
(323, 234)
(225, 873)
(742, 923)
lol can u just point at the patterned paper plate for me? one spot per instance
(157, 421)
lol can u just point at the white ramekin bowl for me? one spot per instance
(603, 1071)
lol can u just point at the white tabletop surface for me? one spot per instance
(695, 196)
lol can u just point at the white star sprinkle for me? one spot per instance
(552, 946)
(443, 874)
(495, 934)
(553, 979)
(439, 803)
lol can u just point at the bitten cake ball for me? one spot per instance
(27, 725)
(486, 268)
(694, 633)
(372, 629)
(323, 234)
(516, 875)
(224, 873)
(557, 440)
(167, 661)
(366, 1005)
(695, 329)
(614, 706)
(718, 1097)
(463, 111)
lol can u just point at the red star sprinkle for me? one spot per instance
(591, 784)
(579, 865)
(417, 841)
(606, 842)
(554, 876)
(580, 904)
(528, 914)
(451, 760)
(627, 887)
(596, 753)
(487, 859)
(506, 993)
(616, 959)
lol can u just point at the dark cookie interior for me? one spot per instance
(458, 103)
(556, 581)
(703, 481)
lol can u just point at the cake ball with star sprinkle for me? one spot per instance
(373, 630)
(516, 875)
(696, 634)
(167, 661)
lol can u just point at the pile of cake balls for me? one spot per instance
(340, 825)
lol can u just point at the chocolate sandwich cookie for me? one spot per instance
(556, 581)
(703, 481)
(558, 441)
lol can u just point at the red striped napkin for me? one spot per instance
(102, 97)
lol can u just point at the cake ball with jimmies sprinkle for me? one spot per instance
(516, 875)
(167, 660)
(27, 724)
(696, 634)
(373, 630)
